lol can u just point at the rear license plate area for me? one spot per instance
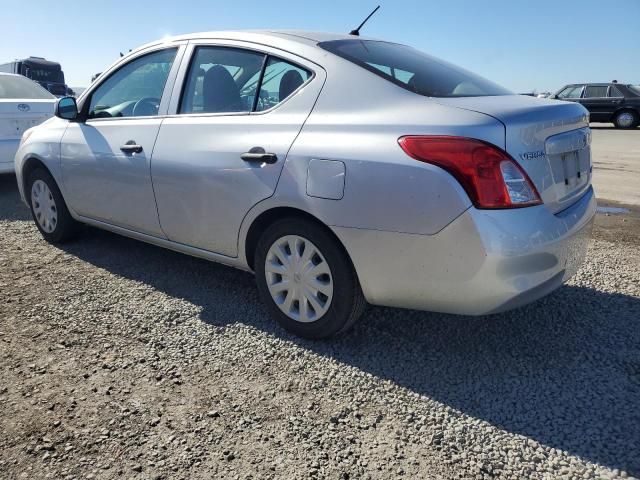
(575, 169)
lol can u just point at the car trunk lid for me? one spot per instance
(548, 138)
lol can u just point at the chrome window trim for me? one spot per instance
(93, 121)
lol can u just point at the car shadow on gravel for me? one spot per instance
(564, 371)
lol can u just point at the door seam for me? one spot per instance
(153, 187)
(275, 189)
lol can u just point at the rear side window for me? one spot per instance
(19, 88)
(233, 80)
(614, 92)
(595, 91)
(280, 80)
(222, 80)
(413, 70)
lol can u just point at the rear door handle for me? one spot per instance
(131, 147)
(258, 154)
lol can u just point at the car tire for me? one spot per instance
(48, 208)
(317, 260)
(626, 119)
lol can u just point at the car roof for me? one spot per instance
(592, 84)
(300, 37)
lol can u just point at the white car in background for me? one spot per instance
(23, 104)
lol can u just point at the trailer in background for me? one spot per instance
(46, 73)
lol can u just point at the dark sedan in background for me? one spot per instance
(607, 102)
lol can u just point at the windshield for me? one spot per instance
(18, 87)
(413, 70)
(635, 89)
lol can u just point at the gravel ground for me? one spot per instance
(615, 163)
(123, 360)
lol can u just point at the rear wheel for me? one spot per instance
(48, 208)
(626, 119)
(306, 279)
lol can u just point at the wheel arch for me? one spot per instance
(30, 165)
(268, 217)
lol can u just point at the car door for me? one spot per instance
(617, 99)
(237, 113)
(595, 100)
(106, 158)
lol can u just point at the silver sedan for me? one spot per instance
(341, 170)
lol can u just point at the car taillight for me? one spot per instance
(491, 178)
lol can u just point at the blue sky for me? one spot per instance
(523, 45)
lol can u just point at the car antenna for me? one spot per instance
(356, 32)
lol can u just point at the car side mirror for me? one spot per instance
(67, 108)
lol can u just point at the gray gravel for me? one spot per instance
(123, 360)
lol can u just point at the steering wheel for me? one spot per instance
(145, 107)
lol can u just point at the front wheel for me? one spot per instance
(306, 279)
(626, 119)
(48, 208)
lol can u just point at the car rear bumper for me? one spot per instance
(8, 149)
(485, 261)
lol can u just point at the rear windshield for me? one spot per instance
(413, 70)
(18, 87)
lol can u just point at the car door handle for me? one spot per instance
(258, 154)
(131, 147)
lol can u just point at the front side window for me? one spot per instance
(413, 70)
(233, 80)
(135, 90)
(595, 91)
(21, 88)
(571, 92)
